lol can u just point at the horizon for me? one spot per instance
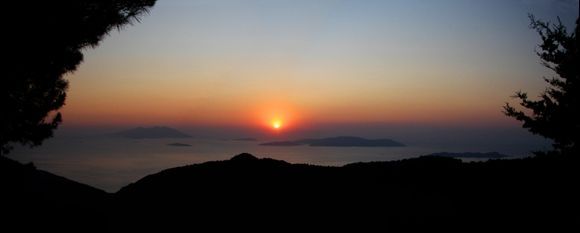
(411, 135)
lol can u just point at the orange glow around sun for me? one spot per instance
(277, 116)
(276, 124)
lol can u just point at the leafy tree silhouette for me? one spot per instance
(556, 114)
(44, 40)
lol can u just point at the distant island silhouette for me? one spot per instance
(152, 132)
(489, 155)
(179, 144)
(340, 141)
(429, 193)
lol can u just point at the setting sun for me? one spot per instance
(282, 117)
(276, 124)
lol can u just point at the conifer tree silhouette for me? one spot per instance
(43, 42)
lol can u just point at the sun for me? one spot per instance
(276, 124)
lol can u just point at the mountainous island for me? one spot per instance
(340, 141)
(152, 132)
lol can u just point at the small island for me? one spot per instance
(178, 144)
(340, 141)
(151, 133)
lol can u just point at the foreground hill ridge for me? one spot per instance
(247, 159)
(429, 192)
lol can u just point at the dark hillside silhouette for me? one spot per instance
(43, 42)
(37, 201)
(556, 114)
(434, 193)
(427, 193)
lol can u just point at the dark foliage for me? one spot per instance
(557, 112)
(42, 43)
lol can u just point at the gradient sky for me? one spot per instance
(244, 63)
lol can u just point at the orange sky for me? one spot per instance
(310, 63)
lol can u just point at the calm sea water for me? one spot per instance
(111, 163)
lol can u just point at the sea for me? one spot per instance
(110, 163)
